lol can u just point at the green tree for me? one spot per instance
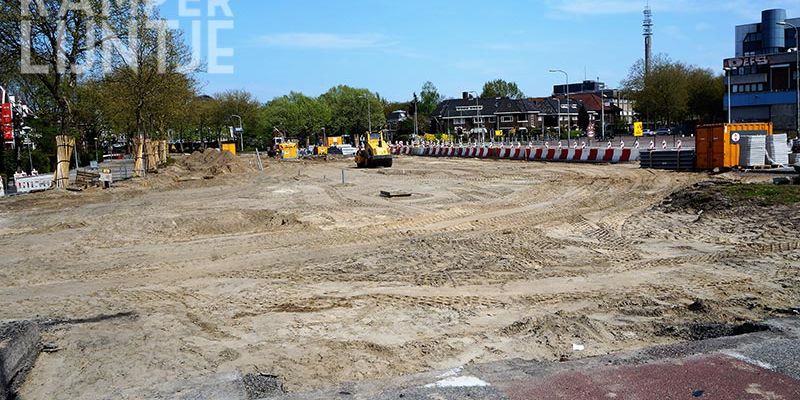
(674, 92)
(245, 105)
(58, 36)
(501, 88)
(349, 110)
(297, 115)
(706, 96)
(429, 99)
(148, 83)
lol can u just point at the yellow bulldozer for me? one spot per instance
(374, 152)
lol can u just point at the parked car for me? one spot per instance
(663, 132)
(648, 132)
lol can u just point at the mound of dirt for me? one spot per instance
(704, 196)
(213, 162)
(224, 222)
(725, 195)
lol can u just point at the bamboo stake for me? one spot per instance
(138, 165)
(65, 146)
(164, 151)
(150, 157)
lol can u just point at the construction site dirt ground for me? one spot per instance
(290, 272)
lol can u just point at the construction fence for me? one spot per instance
(586, 155)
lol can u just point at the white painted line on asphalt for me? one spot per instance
(452, 372)
(458, 381)
(742, 357)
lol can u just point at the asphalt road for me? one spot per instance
(751, 366)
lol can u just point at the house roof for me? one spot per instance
(466, 108)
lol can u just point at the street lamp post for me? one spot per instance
(478, 110)
(569, 106)
(729, 76)
(797, 72)
(602, 110)
(559, 118)
(241, 132)
(416, 127)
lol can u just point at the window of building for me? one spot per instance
(522, 118)
(477, 120)
(507, 119)
(781, 78)
(459, 121)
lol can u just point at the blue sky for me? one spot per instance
(393, 47)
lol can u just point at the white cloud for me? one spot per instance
(332, 41)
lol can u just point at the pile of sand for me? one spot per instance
(213, 162)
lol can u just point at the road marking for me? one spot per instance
(742, 357)
(458, 381)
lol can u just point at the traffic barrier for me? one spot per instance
(561, 154)
(34, 183)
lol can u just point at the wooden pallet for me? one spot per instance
(86, 179)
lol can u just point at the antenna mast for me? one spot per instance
(648, 38)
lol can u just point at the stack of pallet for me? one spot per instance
(753, 150)
(778, 149)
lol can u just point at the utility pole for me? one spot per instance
(569, 106)
(478, 109)
(602, 109)
(559, 118)
(797, 72)
(416, 129)
(728, 76)
(369, 112)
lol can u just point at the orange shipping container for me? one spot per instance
(718, 145)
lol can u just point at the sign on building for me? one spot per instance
(746, 61)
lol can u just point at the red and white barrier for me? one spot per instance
(562, 154)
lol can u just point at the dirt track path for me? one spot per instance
(295, 274)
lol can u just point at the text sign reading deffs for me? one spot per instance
(746, 61)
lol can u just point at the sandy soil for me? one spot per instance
(292, 273)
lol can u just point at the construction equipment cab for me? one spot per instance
(374, 152)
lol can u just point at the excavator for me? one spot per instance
(374, 152)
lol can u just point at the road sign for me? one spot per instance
(498, 133)
(735, 137)
(638, 129)
(590, 132)
(6, 115)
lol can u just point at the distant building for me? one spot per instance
(618, 108)
(394, 120)
(478, 119)
(397, 116)
(762, 76)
